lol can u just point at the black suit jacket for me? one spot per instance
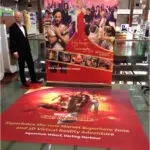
(18, 42)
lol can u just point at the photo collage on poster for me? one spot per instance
(60, 22)
(80, 60)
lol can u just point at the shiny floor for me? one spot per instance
(11, 91)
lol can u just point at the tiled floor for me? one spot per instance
(11, 91)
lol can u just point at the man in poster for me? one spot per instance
(58, 37)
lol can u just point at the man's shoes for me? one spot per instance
(25, 85)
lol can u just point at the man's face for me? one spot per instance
(18, 17)
(97, 8)
(79, 4)
(66, 6)
(87, 12)
(58, 17)
(46, 15)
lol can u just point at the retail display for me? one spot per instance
(80, 44)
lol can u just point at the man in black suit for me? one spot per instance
(19, 46)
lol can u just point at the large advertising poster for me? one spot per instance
(80, 37)
(80, 117)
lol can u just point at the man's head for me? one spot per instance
(98, 8)
(79, 4)
(58, 16)
(88, 11)
(47, 14)
(18, 17)
(66, 6)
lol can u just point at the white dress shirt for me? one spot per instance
(22, 29)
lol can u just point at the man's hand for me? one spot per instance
(58, 32)
(16, 55)
(79, 104)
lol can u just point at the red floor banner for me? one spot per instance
(70, 116)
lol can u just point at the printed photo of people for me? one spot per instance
(94, 105)
(91, 61)
(67, 57)
(64, 57)
(99, 17)
(61, 57)
(59, 26)
(78, 59)
(59, 21)
(100, 22)
(95, 62)
(88, 61)
(53, 55)
(73, 104)
(105, 64)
